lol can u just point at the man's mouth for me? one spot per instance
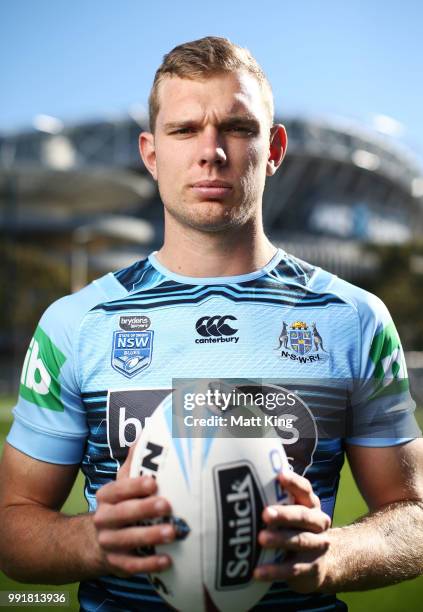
(212, 189)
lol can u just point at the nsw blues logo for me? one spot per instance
(301, 342)
(132, 351)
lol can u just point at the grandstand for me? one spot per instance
(341, 187)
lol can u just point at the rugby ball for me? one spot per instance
(217, 488)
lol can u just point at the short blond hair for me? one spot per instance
(204, 57)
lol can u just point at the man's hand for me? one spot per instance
(120, 506)
(300, 529)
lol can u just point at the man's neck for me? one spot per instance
(195, 253)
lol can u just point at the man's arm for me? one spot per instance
(382, 548)
(42, 545)
(386, 546)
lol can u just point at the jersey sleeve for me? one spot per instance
(381, 407)
(49, 418)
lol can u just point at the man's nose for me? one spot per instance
(212, 148)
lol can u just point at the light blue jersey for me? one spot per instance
(103, 359)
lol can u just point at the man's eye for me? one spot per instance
(241, 129)
(187, 130)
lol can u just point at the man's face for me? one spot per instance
(210, 149)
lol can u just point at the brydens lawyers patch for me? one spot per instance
(132, 351)
(134, 323)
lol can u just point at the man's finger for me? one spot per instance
(283, 571)
(298, 517)
(126, 488)
(300, 488)
(301, 569)
(130, 538)
(291, 539)
(127, 565)
(128, 512)
(124, 469)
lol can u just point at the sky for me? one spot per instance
(91, 59)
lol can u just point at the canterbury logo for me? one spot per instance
(216, 326)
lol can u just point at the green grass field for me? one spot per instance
(407, 596)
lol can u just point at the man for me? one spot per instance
(211, 146)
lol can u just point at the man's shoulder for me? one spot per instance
(69, 310)
(365, 303)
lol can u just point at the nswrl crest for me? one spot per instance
(300, 338)
(132, 351)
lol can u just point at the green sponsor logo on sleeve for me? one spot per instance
(386, 353)
(40, 374)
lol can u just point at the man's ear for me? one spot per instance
(148, 152)
(277, 148)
